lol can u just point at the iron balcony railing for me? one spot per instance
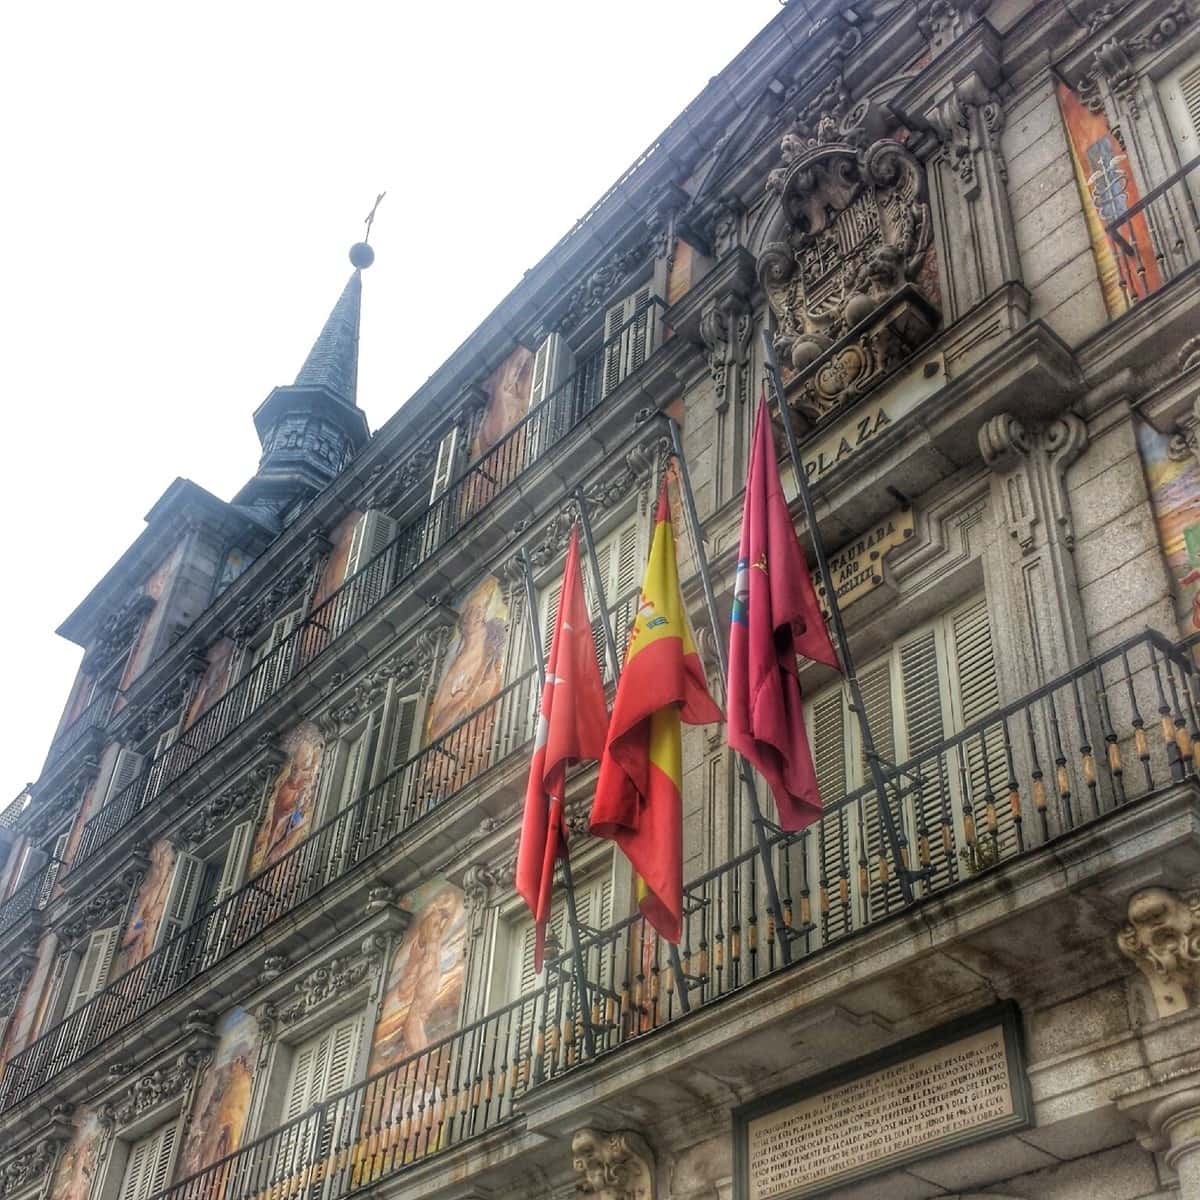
(1159, 236)
(1070, 755)
(15, 807)
(31, 896)
(388, 811)
(95, 716)
(481, 482)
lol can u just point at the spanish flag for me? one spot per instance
(639, 794)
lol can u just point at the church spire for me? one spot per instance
(311, 429)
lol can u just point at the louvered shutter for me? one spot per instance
(639, 333)
(353, 772)
(878, 873)
(181, 901)
(827, 730)
(125, 771)
(551, 365)
(58, 856)
(925, 725)
(371, 537)
(403, 748)
(58, 977)
(160, 1161)
(628, 564)
(979, 694)
(234, 865)
(350, 789)
(447, 463)
(321, 1067)
(614, 320)
(94, 964)
(1180, 92)
(158, 768)
(549, 614)
(148, 1167)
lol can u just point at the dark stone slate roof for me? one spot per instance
(333, 361)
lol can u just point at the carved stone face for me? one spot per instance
(1163, 931)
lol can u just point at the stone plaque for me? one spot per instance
(961, 1083)
(857, 569)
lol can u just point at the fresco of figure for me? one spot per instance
(508, 388)
(293, 798)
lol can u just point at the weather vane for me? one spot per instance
(371, 215)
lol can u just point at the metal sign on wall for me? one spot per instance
(857, 569)
(960, 1083)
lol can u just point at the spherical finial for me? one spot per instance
(361, 255)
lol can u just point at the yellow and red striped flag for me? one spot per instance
(638, 800)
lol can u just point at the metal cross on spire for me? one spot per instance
(371, 215)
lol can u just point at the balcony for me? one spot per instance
(494, 473)
(1076, 759)
(95, 716)
(362, 832)
(32, 896)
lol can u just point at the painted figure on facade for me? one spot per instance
(293, 798)
(142, 931)
(508, 388)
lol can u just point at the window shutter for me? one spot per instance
(58, 854)
(614, 319)
(407, 708)
(925, 726)
(148, 1167)
(181, 902)
(638, 333)
(353, 770)
(371, 536)
(1180, 92)
(322, 1066)
(827, 723)
(549, 615)
(94, 965)
(342, 1054)
(978, 695)
(551, 365)
(235, 861)
(58, 977)
(125, 771)
(447, 462)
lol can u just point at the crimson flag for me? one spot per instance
(572, 725)
(776, 616)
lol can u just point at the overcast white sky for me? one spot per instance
(182, 183)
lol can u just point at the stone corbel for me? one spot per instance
(968, 123)
(1162, 937)
(1034, 461)
(613, 1166)
(726, 328)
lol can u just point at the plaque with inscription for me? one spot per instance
(960, 1083)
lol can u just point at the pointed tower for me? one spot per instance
(311, 429)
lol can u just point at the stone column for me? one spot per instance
(1168, 1117)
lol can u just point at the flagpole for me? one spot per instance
(594, 562)
(710, 603)
(581, 985)
(895, 838)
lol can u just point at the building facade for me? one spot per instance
(259, 936)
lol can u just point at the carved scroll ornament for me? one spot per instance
(1162, 936)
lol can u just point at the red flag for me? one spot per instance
(776, 616)
(571, 726)
(639, 801)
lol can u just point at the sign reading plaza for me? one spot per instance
(958, 1084)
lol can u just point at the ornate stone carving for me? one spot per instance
(326, 983)
(613, 1166)
(116, 633)
(168, 701)
(1038, 458)
(387, 487)
(155, 1087)
(601, 283)
(637, 466)
(216, 813)
(32, 1166)
(726, 327)
(1115, 60)
(849, 237)
(49, 814)
(967, 121)
(105, 905)
(723, 227)
(944, 21)
(1162, 936)
(251, 615)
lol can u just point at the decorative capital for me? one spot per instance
(613, 1166)
(1162, 936)
(726, 327)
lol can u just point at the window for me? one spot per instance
(125, 770)
(159, 766)
(936, 679)
(552, 365)
(370, 537)
(1180, 94)
(447, 463)
(259, 660)
(621, 559)
(92, 966)
(350, 783)
(630, 331)
(148, 1166)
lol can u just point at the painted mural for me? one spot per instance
(26, 1018)
(474, 659)
(156, 587)
(141, 932)
(1175, 497)
(425, 981)
(333, 574)
(1107, 188)
(508, 389)
(293, 798)
(222, 1101)
(80, 1162)
(214, 681)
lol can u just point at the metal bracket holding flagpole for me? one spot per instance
(581, 983)
(895, 837)
(610, 641)
(744, 768)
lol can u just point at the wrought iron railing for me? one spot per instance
(94, 716)
(15, 807)
(30, 897)
(1094, 741)
(480, 483)
(1159, 236)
